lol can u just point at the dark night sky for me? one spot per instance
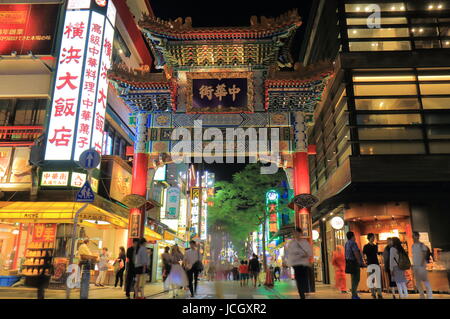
(209, 13)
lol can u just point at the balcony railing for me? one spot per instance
(19, 135)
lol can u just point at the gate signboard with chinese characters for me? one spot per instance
(230, 92)
(79, 100)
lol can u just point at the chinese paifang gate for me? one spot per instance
(226, 77)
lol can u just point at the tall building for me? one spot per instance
(38, 45)
(382, 130)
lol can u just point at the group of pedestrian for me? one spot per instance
(137, 261)
(396, 263)
(181, 271)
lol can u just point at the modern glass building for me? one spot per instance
(383, 130)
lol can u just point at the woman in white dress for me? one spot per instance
(177, 277)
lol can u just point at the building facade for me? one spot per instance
(382, 131)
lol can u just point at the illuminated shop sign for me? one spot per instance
(227, 92)
(272, 210)
(81, 87)
(78, 179)
(172, 202)
(55, 178)
(195, 209)
(27, 27)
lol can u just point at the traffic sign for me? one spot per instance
(89, 159)
(85, 194)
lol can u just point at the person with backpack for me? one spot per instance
(353, 262)
(399, 263)
(421, 256)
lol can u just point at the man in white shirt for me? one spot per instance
(298, 254)
(192, 259)
(420, 251)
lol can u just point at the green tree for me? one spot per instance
(239, 206)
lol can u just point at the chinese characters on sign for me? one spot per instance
(27, 27)
(61, 133)
(77, 120)
(102, 89)
(195, 205)
(89, 86)
(44, 233)
(219, 94)
(55, 179)
(78, 179)
(172, 202)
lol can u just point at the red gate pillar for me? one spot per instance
(302, 184)
(137, 218)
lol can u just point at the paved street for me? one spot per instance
(206, 290)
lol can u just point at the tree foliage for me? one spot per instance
(238, 206)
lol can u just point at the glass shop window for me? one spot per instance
(436, 103)
(380, 46)
(427, 44)
(383, 77)
(4, 112)
(438, 132)
(385, 7)
(387, 104)
(388, 119)
(437, 88)
(390, 133)
(439, 147)
(345, 155)
(437, 118)
(385, 89)
(363, 21)
(378, 33)
(391, 148)
(24, 112)
(424, 31)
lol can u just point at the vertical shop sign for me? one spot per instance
(172, 202)
(102, 89)
(81, 86)
(60, 135)
(89, 86)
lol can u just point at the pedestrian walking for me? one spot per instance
(387, 268)
(398, 263)
(211, 271)
(177, 276)
(353, 262)
(193, 265)
(370, 252)
(254, 269)
(102, 267)
(43, 279)
(338, 262)
(130, 267)
(166, 264)
(277, 273)
(421, 256)
(120, 263)
(243, 273)
(298, 255)
(140, 267)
